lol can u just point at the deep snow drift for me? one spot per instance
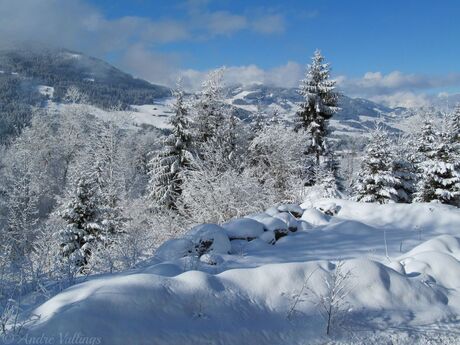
(265, 279)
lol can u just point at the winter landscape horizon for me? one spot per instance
(229, 172)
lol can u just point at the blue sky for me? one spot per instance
(392, 51)
(357, 36)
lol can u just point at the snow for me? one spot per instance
(289, 219)
(46, 91)
(294, 209)
(156, 115)
(401, 263)
(315, 217)
(270, 223)
(211, 232)
(243, 228)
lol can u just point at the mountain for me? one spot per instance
(356, 116)
(104, 84)
(31, 76)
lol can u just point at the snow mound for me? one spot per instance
(210, 238)
(315, 217)
(289, 219)
(244, 228)
(202, 239)
(294, 209)
(238, 306)
(400, 263)
(269, 223)
(435, 261)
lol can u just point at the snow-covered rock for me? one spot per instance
(315, 217)
(269, 223)
(289, 219)
(278, 226)
(329, 208)
(244, 228)
(293, 209)
(268, 237)
(303, 226)
(209, 238)
(272, 211)
(211, 259)
(174, 249)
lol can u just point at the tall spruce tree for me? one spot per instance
(453, 131)
(208, 107)
(405, 169)
(376, 180)
(319, 105)
(83, 221)
(167, 166)
(438, 168)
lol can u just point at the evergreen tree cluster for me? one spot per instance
(423, 167)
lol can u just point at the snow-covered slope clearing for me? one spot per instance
(390, 272)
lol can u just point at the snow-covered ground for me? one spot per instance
(232, 284)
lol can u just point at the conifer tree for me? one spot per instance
(439, 174)
(208, 108)
(167, 166)
(83, 221)
(319, 105)
(258, 118)
(404, 169)
(376, 181)
(453, 132)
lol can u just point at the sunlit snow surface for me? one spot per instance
(405, 292)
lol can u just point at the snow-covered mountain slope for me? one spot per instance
(356, 117)
(265, 279)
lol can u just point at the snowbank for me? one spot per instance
(265, 292)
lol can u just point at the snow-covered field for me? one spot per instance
(400, 283)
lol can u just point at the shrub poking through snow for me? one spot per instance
(332, 303)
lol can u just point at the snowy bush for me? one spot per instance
(211, 195)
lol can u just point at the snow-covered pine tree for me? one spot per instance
(326, 175)
(208, 107)
(376, 181)
(258, 119)
(168, 165)
(319, 105)
(404, 168)
(326, 181)
(275, 117)
(83, 221)
(453, 131)
(106, 157)
(439, 175)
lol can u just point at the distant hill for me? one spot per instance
(357, 115)
(30, 77)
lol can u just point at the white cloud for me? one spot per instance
(287, 75)
(269, 24)
(154, 67)
(76, 25)
(402, 99)
(379, 83)
(397, 88)
(223, 23)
